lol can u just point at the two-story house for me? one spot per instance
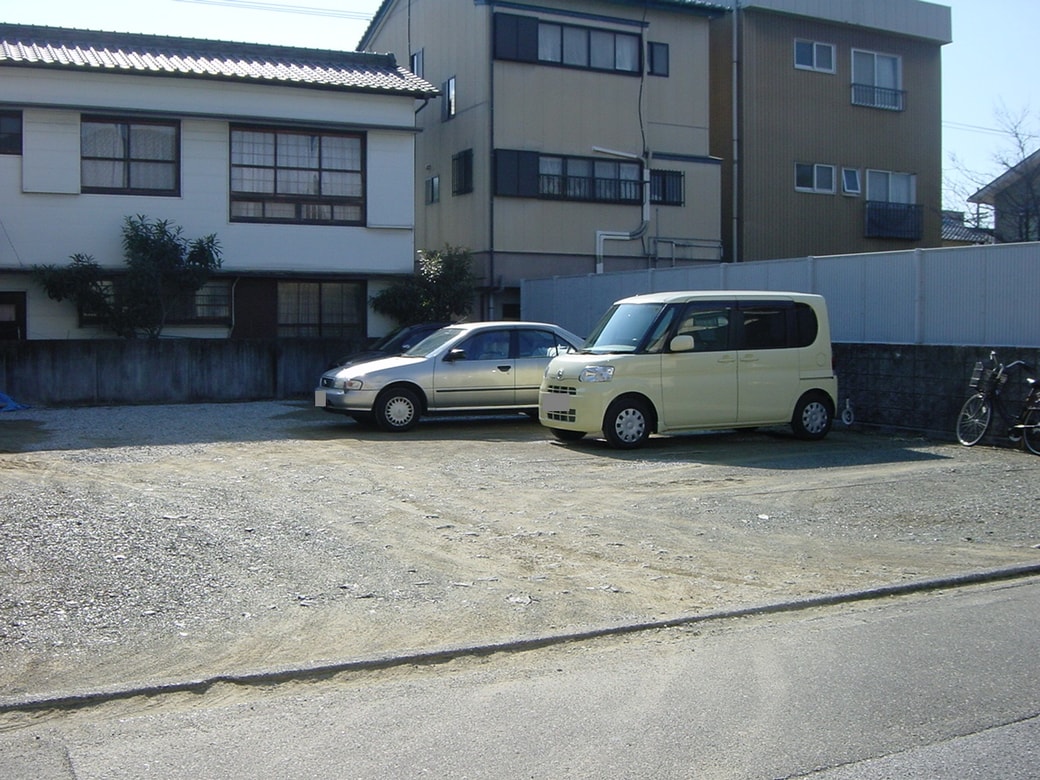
(300, 161)
(571, 137)
(1014, 198)
(828, 118)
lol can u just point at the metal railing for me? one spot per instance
(878, 97)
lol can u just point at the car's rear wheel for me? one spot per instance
(813, 416)
(397, 409)
(626, 425)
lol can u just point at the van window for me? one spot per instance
(778, 325)
(766, 326)
(807, 327)
(708, 323)
(658, 338)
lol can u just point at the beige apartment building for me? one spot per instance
(589, 136)
(571, 136)
(827, 116)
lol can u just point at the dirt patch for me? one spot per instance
(175, 542)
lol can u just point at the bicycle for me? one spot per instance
(988, 381)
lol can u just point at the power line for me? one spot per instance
(975, 128)
(257, 5)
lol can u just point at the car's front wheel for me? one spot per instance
(397, 409)
(627, 424)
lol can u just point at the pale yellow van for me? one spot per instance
(684, 361)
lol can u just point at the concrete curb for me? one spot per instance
(83, 699)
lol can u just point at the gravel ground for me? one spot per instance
(144, 543)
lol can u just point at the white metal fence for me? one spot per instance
(963, 296)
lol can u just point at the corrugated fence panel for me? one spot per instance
(954, 295)
(1013, 294)
(980, 296)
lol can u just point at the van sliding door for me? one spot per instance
(767, 362)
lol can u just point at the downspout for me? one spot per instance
(735, 97)
(490, 175)
(602, 236)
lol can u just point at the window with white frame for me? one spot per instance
(850, 183)
(891, 210)
(890, 187)
(417, 64)
(877, 80)
(812, 55)
(810, 177)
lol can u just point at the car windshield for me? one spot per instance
(623, 328)
(432, 342)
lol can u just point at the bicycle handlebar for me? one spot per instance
(1016, 364)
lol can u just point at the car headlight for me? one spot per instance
(353, 384)
(596, 374)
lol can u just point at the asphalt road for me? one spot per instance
(939, 685)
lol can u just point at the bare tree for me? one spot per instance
(1014, 196)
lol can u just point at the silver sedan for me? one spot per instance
(472, 367)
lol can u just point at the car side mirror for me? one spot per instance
(455, 354)
(681, 344)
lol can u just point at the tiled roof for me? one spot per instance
(954, 229)
(154, 55)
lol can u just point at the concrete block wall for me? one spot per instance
(112, 371)
(917, 388)
(912, 388)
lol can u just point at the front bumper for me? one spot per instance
(336, 400)
(570, 407)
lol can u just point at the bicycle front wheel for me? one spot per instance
(974, 419)
(1031, 431)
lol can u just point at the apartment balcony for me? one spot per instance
(894, 220)
(878, 97)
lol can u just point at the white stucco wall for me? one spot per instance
(44, 219)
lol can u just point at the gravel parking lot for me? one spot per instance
(144, 543)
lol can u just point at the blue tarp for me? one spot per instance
(8, 404)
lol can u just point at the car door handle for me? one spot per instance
(504, 368)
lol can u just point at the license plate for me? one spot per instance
(319, 398)
(556, 402)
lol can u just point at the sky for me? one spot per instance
(989, 71)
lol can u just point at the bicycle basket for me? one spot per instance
(986, 380)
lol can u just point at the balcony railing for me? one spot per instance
(589, 188)
(894, 220)
(878, 97)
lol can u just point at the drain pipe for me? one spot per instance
(602, 236)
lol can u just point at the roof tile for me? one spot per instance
(33, 46)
